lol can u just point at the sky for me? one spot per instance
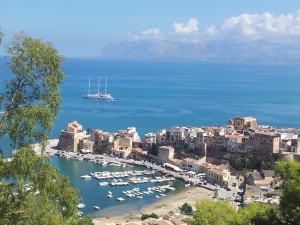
(80, 28)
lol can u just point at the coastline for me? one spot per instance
(189, 195)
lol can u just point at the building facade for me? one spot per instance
(69, 138)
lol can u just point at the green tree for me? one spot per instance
(237, 162)
(259, 214)
(146, 216)
(31, 190)
(186, 209)
(213, 213)
(216, 193)
(218, 213)
(290, 200)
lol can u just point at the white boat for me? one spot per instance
(96, 207)
(86, 177)
(103, 183)
(120, 199)
(109, 192)
(109, 196)
(99, 95)
(157, 196)
(139, 197)
(80, 205)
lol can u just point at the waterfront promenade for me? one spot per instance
(51, 150)
(190, 194)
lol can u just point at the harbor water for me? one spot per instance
(94, 195)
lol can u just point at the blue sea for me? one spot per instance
(154, 95)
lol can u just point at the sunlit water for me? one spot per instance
(156, 95)
(94, 195)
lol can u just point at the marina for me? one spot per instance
(108, 192)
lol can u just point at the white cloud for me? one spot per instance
(211, 30)
(266, 26)
(190, 27)
(263, 26)
(154, 34)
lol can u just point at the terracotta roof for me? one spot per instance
(204, 165)
(137, 149)
(233, 136)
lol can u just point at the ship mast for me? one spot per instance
(98, 85)
(89, 85)
(105, 85)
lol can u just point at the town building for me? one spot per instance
(122, 147)
(131, 133)
(242, 123)
(161, 137)
(69, 138)
(265, 143)
(165, 153)
(295, 145)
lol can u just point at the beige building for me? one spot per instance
(69, 138)
(295, 145)
(122, 147)
(161, 136)
(223, 178)
(131, 133)
(190, 164)
(103, 136)
(242, 123)
(86, 145)
(165, 153)
(265, 143)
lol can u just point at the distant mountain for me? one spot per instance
(212, 51)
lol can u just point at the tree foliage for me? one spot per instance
(208, 212)
(146, 216)
(221, 213)
(31, 190)
(186, 209)
(290, 200)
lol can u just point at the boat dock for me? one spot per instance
(51, 150)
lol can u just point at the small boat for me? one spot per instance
(139, 197)
(96, 207)
(109, 196)
(120, 199)
(80, 205)
(103, 183)
(157, 196)
(86, 177)
(109, 192)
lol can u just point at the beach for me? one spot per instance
(165, 207)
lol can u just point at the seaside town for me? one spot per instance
(233, 162)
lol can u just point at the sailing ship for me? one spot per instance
(99, 95)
